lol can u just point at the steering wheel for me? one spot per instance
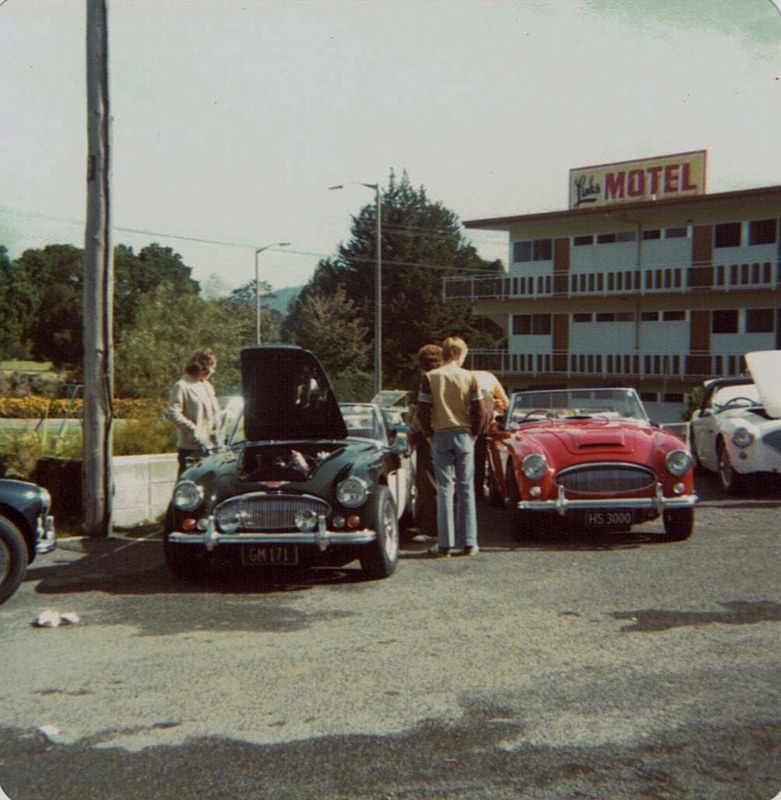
(543, 411)
(734, 401)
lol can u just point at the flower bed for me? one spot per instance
(36, 407)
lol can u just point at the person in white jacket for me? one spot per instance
(193, 407)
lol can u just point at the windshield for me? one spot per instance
(563, 404)
(739, 396)
(361, 420)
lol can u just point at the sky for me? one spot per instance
(231, 118)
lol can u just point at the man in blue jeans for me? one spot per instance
(451, 413)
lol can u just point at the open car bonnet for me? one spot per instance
(287, 396)
(765, 369)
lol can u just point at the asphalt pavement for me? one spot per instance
(581, 667)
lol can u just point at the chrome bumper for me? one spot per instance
(46, 540)
(563, 504)
(321, 538)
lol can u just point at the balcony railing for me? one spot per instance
(562, 364)
(697, 278)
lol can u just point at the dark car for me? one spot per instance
(589, 458)
(292, 489)
(26, 530)
(389, 431)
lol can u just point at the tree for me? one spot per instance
(54, 278)
(243, 300)
(17, 300)
(151, 353)
(137, 275)
(421, 244)
(329, 326)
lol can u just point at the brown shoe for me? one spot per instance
(439, 552)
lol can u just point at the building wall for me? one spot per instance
(648, 299)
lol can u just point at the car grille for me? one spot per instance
(606, 479)
(268, 512)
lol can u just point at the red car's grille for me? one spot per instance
(606, 479)
(268, 512)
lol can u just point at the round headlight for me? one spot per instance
(678, 462)
(306, 519)
(228, 521)
(352, 492)
(742, 437)
(534, 466)
(187, 495)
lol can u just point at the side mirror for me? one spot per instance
(400, 443)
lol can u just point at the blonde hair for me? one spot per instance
(453, 348)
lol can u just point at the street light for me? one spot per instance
(377, 286)
(258, 251)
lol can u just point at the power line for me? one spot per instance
(245, 246)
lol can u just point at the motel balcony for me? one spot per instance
(680, 369)
(695, 279)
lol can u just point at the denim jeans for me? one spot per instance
(454, 467)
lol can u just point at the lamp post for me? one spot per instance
(377, 285)
(258, 251)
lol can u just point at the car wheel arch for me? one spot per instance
(15, 548)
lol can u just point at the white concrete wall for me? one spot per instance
(142, 487)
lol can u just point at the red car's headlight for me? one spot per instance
(534, 466)
(678, 462)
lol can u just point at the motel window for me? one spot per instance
(674, 316)
(581, 317)
(652, 234)
(649, 397)
(649, 316)
(672, 397)
(522, 251)
(675, 233)
(625, 316)
(759, 320)
(541, 324)
(532, 324)
(724, 321)
(762, 231)
(606, 316)
(728, 234)
(543, 249)
(606, 238)
(522, 324)
(537, 250)
(626, 236)
(580, 241)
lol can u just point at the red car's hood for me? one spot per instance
(594, 437)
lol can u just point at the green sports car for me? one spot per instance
(290, 488)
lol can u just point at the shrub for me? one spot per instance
(144, 430)
(19, 453)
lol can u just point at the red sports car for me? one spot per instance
(588, 458)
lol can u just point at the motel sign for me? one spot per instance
(659, 178)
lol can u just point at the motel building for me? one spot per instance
(646, 280)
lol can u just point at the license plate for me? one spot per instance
(269, 555)
(607, 519)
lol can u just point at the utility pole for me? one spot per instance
(97, 486)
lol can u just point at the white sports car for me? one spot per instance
(736, 432)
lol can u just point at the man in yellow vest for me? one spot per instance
(452, 414)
